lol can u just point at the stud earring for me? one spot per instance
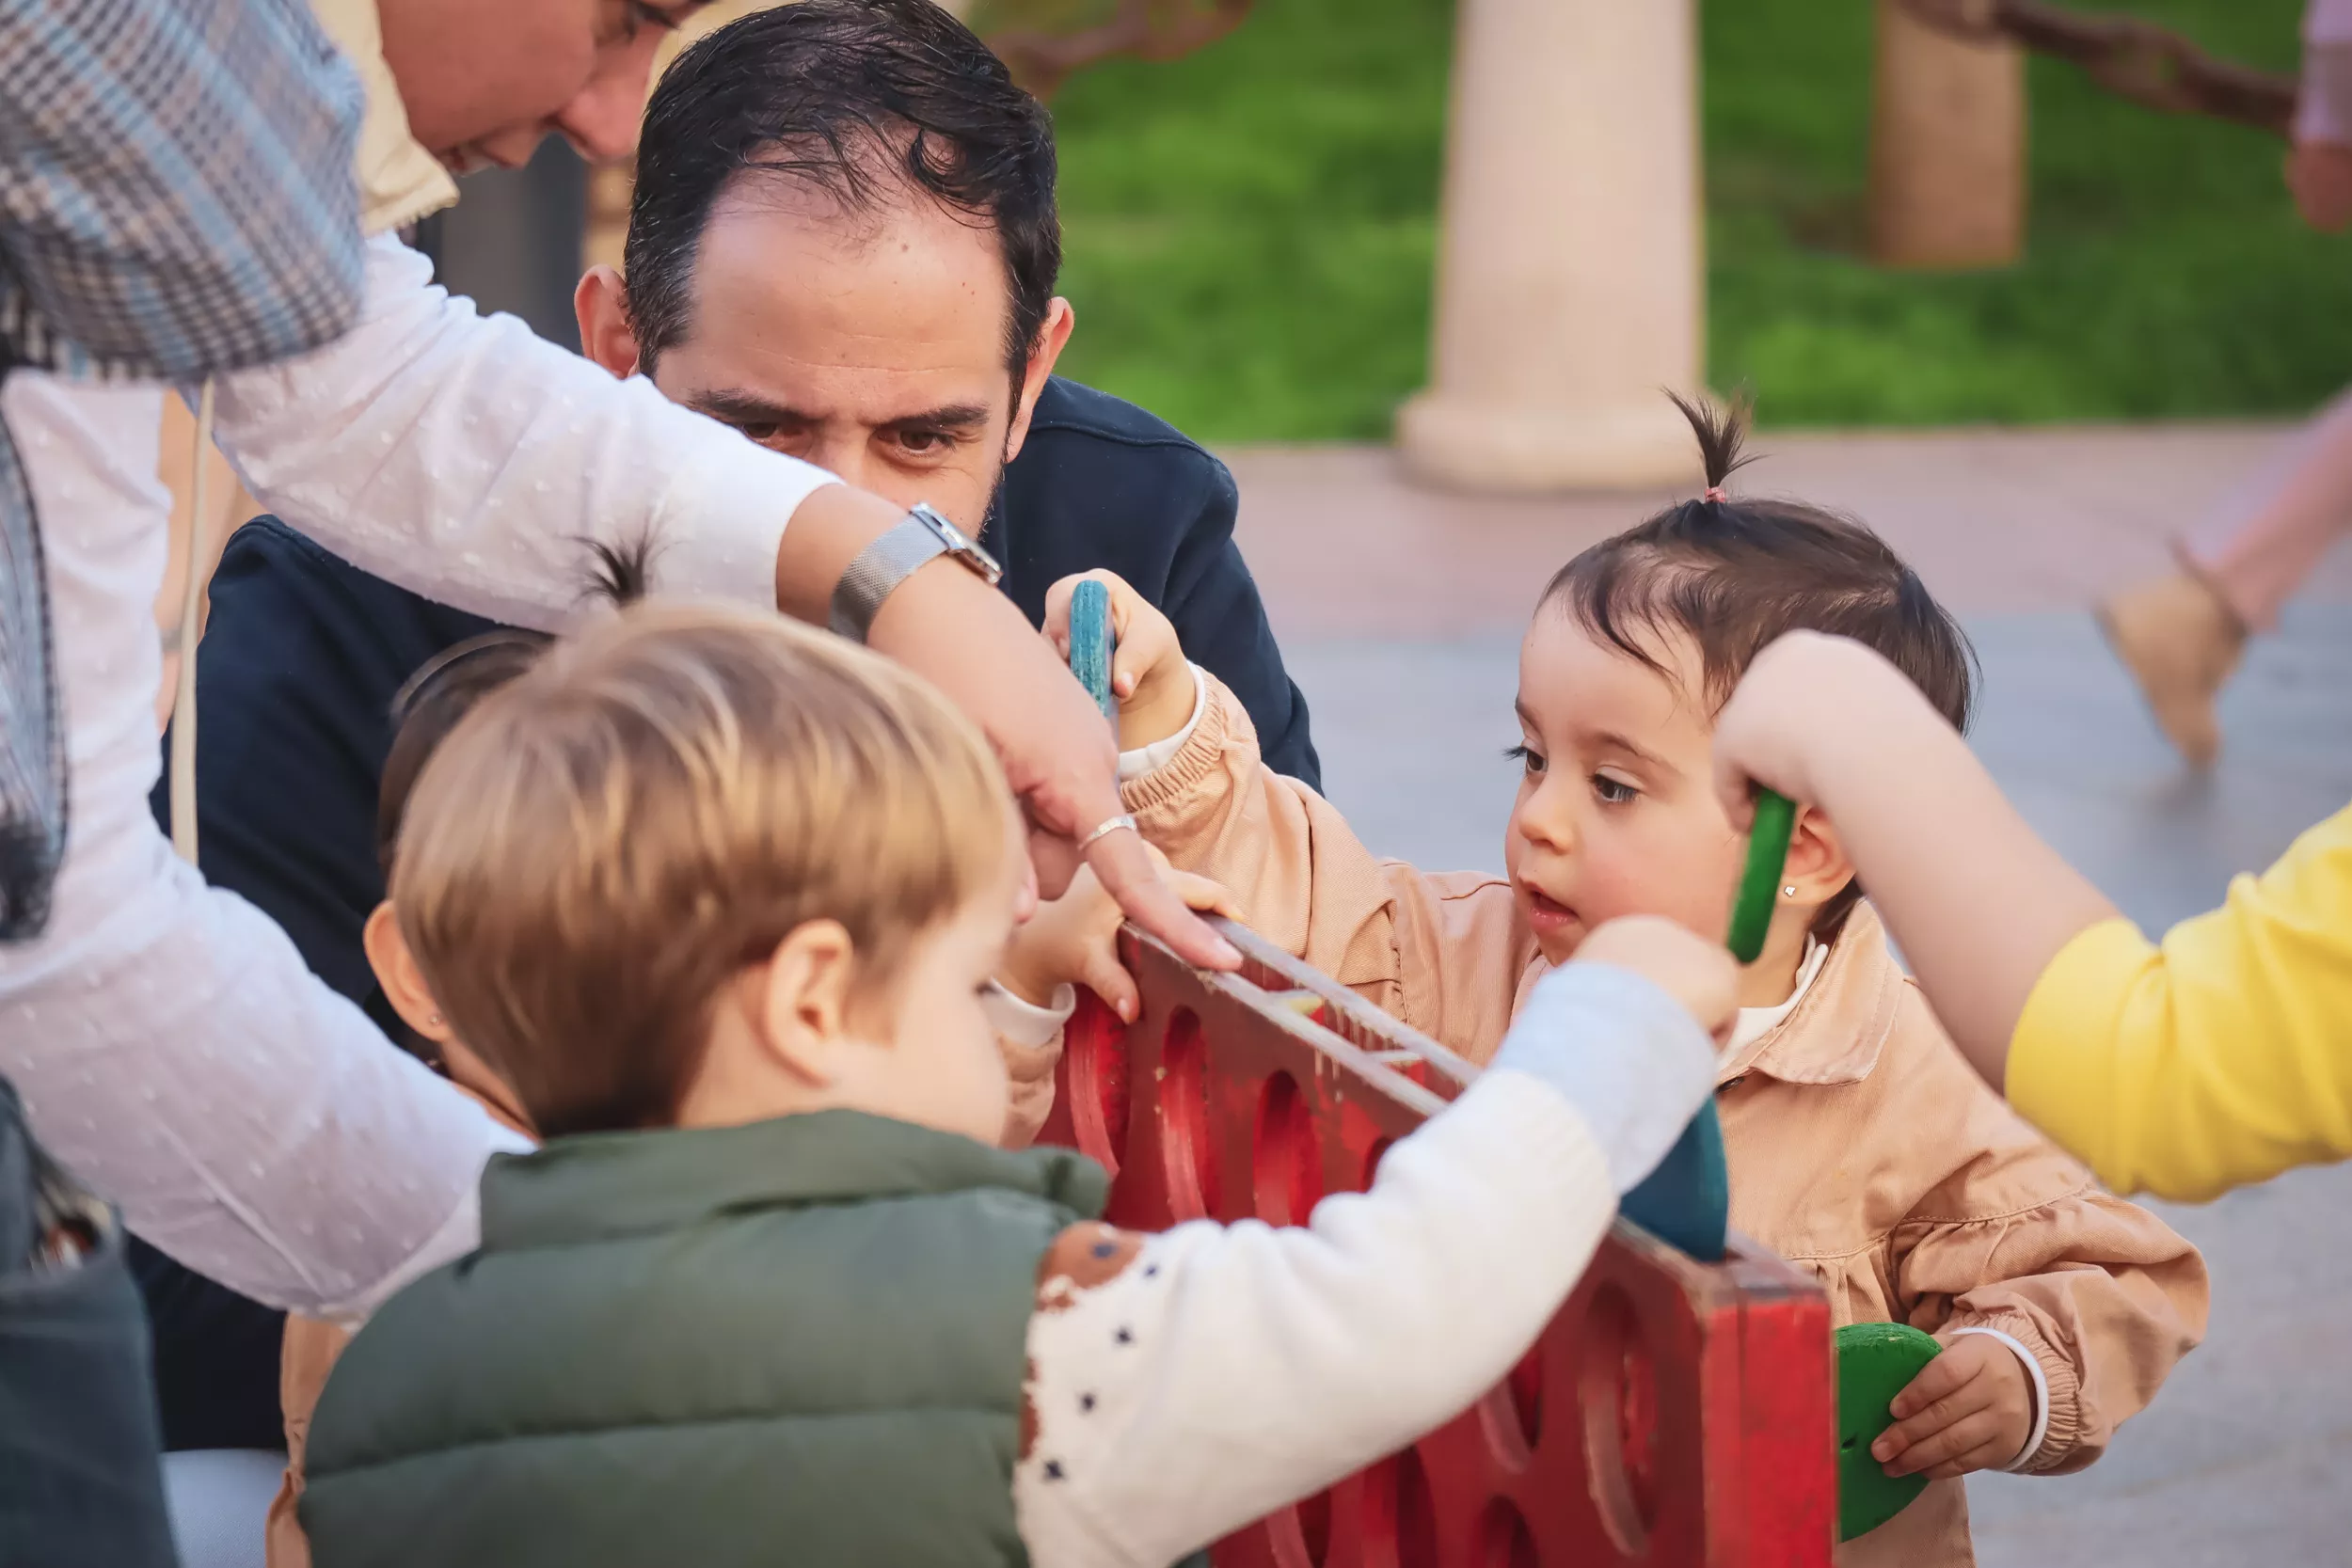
(436, 1019)
(1788, 891)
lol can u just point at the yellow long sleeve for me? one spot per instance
(2220, 1058)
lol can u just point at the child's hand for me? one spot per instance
(1149, 675)
(1971, 1408)
(1075, 940)
(1699, 973)
(1808, 709)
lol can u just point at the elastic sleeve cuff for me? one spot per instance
(1145, 759)
(2041, 1393)
(1167, 789)
(2062, 1058)
(1024, 1023)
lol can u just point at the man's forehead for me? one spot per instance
(816, 322)
(901, 265)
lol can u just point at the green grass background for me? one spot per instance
(1250, 232)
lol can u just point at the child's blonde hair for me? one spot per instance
(606, 839)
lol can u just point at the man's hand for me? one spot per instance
(1075, 940)
(1699, 973)
(1149, 673)
(2319, 175)
(948, 626)
(1971, 1408)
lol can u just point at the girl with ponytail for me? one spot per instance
(1862, 1147)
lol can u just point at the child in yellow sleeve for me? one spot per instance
(2217, 1057)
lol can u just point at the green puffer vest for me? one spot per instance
(801, 1341)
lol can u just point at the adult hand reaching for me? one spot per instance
(971, 641)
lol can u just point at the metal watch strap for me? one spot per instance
(888, 560)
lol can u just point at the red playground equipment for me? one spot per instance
(1675, 1413)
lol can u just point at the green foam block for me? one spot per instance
(1760, 879)
(1875, 1362)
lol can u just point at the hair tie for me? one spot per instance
(1714, 493)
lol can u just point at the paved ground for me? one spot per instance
(1400, 613)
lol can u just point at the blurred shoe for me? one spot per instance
(2182, 643)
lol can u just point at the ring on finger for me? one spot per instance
(1121, 823)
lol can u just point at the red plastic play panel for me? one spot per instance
(1675, 1415)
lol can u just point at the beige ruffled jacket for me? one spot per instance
(1862, 1147)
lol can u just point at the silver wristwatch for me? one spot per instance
(892, 557)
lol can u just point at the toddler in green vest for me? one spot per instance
(720, 898)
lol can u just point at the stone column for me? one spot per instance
(1570, 284)
(1947, 147)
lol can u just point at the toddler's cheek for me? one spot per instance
(1692, 890)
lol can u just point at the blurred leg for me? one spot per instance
(2182, 636)
(2257, 552)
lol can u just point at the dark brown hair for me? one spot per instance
(446, 687)
(443, 691)
(1732, 575)
(862, 100)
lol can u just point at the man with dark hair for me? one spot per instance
(844, 244)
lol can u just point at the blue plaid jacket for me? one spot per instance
(176, 201)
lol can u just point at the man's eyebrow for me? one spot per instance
(729, 403)
(747, 407)
(954, 416)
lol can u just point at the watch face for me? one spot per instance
(958, 544)
(949, 535)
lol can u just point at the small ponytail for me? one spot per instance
(1720, 429)
(1730, 576)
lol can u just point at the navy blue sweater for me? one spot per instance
(304, 652)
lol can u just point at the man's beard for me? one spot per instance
(991, 536)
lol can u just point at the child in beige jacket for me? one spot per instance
(1861, 1146)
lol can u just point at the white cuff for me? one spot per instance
(1143, 759)
(1026, 1023)
(1633, 1062)
(2041, 1393)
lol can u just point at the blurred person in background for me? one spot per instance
(2183, 635)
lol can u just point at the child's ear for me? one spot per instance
(1817, 866)
(396, 972)
(800, 999)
